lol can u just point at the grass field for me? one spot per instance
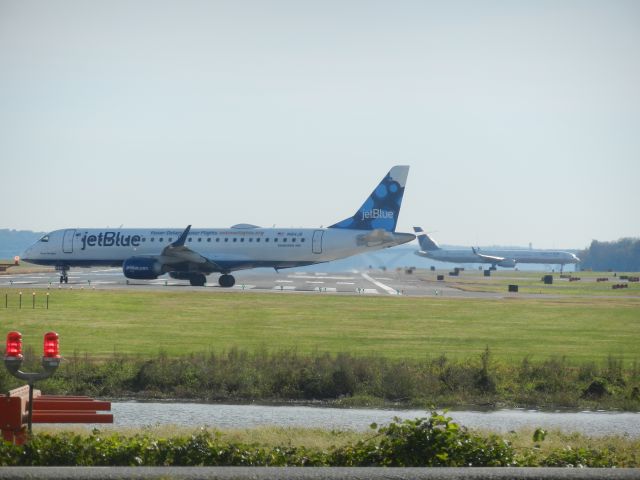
(531, 283)
(141, 322)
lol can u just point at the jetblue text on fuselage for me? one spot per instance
(377, 213)
(110, 239)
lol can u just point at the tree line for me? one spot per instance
(622, 255)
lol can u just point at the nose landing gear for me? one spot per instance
(63, 269)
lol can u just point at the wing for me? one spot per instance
(177, 253)
(488, 258)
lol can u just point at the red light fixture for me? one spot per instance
(51, 345)
(14, 345)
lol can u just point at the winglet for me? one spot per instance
(182, 238)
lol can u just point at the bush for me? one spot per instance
(435, 441)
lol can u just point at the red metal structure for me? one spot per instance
(47, 409)
(24, 406)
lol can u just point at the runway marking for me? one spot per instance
(345, 283)
(386, 288)
(284, 287)
(284, 281)
(243, 287)
(309, 281)
(98, 282)
(369, 290)
(383, 278)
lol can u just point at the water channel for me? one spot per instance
(136, 414)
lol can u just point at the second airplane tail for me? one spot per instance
(427, 243)
(381, 209)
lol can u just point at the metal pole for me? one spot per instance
(6, 300)
(33, 300)
(29, 420)
(20, 299)
(47, 300)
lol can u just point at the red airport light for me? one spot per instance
(14, 345)
(51, 345)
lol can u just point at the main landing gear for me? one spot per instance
(226, 280)
(197, 280)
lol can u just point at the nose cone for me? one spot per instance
(26, 255)
(30, 253)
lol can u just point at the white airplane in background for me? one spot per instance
(496, 257)
(192, 254)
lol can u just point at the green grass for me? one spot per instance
(143, 322)
(531, 283)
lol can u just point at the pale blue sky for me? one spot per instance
(520, 120)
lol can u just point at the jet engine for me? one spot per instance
(507, 263)
(142, 268)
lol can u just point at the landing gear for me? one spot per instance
(63, 269)
(197, 280)
(226, 280)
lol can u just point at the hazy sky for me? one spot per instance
(520, 120)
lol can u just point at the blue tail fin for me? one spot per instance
(427, 243)
(382, 207)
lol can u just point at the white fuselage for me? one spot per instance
(518, 256)
(230, 248)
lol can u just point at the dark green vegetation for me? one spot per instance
(347, 380)
(622, 255)
(432, 441)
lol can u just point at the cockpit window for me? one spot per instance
(45, 238)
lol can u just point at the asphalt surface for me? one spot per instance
(313, 473)
(370, 282)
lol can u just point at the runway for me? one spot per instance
(369, 282)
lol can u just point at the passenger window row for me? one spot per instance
(234, 240)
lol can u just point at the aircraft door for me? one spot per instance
(317, 241)
(67, 241)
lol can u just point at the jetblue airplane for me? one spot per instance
(192, 254)
(497, 258)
